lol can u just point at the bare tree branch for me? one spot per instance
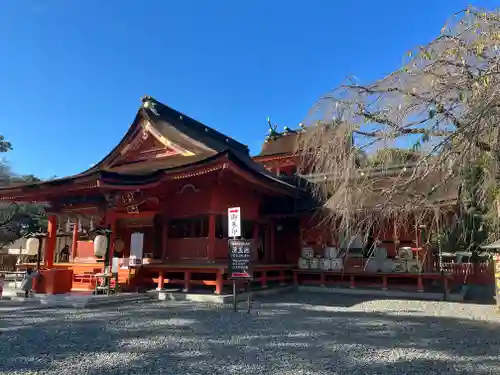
(443, 105)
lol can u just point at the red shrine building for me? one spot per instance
(170, 181)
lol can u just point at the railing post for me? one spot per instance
(187, 281)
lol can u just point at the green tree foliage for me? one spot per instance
(17, 220)
(473, 225)
(4, 145)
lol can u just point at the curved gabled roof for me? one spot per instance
(174, 126)
(195, 142)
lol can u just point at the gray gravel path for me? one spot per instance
(288, 334)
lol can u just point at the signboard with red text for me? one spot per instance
(234, 222)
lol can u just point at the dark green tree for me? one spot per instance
(17, 220)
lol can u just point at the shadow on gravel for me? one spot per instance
(287, 334)
(481, 294)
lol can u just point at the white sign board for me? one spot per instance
(115, 265)
(124, 263)
(136, 248)
(234, 223)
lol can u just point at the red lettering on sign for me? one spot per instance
(240, 274)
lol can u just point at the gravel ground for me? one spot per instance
(292, 334)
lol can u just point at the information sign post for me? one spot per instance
(240, 253)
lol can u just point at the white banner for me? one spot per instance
(115, 265)
(234, 222)
(136, 248)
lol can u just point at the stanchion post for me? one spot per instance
(249, 296)
(234, 296)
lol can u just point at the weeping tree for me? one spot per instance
(442, 108)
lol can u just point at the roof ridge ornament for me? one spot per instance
(273, 131)
(274, 134)
(148, 102)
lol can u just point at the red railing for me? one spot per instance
(469, 273)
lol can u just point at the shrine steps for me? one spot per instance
(223, 299)
(79, 299)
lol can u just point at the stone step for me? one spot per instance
(12, 284)
(12, 292)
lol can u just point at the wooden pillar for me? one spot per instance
(161, 280)
(255, 238)
(263, 278)
(272, 239)
(420, 284)
(352, 282)
(384, 283)
(219, 282)
(166, 226)
(74, 243)
(112, 238)
(187, 281)
(50, 243)
(211, 238)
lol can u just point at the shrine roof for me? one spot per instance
(160, 141)
(176, 129)
(284, 145)
(435, 189)
(277, 143)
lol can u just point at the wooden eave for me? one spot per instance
(102, 181)
(44, 191)
(257, 183)
(266, 158)
(226, 160)
(255, 172)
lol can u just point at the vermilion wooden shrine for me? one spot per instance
(172, 179)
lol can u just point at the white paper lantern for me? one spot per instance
(32, 246)
(119, 245)
(100, 245)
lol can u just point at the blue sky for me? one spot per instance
(72, 72)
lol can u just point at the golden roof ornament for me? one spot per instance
(149, 103)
